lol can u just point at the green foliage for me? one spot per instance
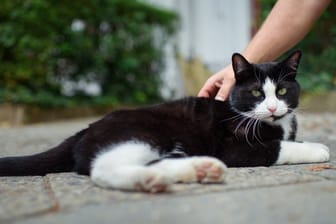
(318, 68)
(116, 43)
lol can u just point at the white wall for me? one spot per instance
(210, 30)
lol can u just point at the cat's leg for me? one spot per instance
(193, 169)
(302, 152)
(122, 166)
(133, 178)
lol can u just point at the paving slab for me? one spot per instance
(23, 196)
(72, 190)
(298, 203)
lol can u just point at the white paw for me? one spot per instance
(319, 152)
(305, 152)
(208, 170)
(201, 169)
(133, 178)
(152, 181)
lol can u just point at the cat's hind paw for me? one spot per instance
(200, 169)
(208, 170)
(132, 178)
(153, 182)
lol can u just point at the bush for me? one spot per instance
(318, 67)
(48, 45)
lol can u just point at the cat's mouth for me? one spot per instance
(272, 117)
(276, 117)
(266, 116)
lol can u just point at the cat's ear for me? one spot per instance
(241, 66)
(293, 60)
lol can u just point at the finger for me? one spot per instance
(209, 89)
(224, 91)
(219, 84)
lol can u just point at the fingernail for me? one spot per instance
(219, 98)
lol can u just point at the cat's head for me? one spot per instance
(267, 91)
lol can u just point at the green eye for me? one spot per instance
(256, 93)
(282, 91)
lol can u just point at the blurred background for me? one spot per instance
(64, 59)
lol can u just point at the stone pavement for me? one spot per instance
(280, 194)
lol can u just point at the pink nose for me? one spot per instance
(272, 109)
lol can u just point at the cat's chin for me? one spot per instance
(270, 119)
(273, 118)
(267, 117)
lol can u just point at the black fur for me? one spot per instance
(193, 126)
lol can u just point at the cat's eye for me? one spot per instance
(282, 91)
(256, 93)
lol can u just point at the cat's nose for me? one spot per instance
(272, 109)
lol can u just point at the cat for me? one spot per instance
(187, 140)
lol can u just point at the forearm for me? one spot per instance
(287, 24)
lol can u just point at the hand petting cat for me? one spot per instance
(220, 83)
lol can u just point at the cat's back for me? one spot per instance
(183, 108)
(189, 111)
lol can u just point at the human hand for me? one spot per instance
(219, 85)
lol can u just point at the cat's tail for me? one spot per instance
(55, 160)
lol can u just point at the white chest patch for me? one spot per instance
(285, 123)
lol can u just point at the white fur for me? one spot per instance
(123, 166)
(305, 152)
(130, 152)
(270, 101)
(285, 123)
(120, 166)
(281, 108)
(193, 169)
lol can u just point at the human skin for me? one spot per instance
(287, 24)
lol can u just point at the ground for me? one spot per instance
(280, 194)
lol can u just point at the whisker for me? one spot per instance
(240, 124)
(257, 133)
(252, 124)
(236, 117)
(246, 131)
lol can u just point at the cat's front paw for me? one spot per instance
(208, 170)
(319, 152)
(302, 152)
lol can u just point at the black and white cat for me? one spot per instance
(188, 140)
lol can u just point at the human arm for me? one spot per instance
(286, 25)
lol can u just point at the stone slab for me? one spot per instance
(299, 203)
(72, 190)
(23, 196)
